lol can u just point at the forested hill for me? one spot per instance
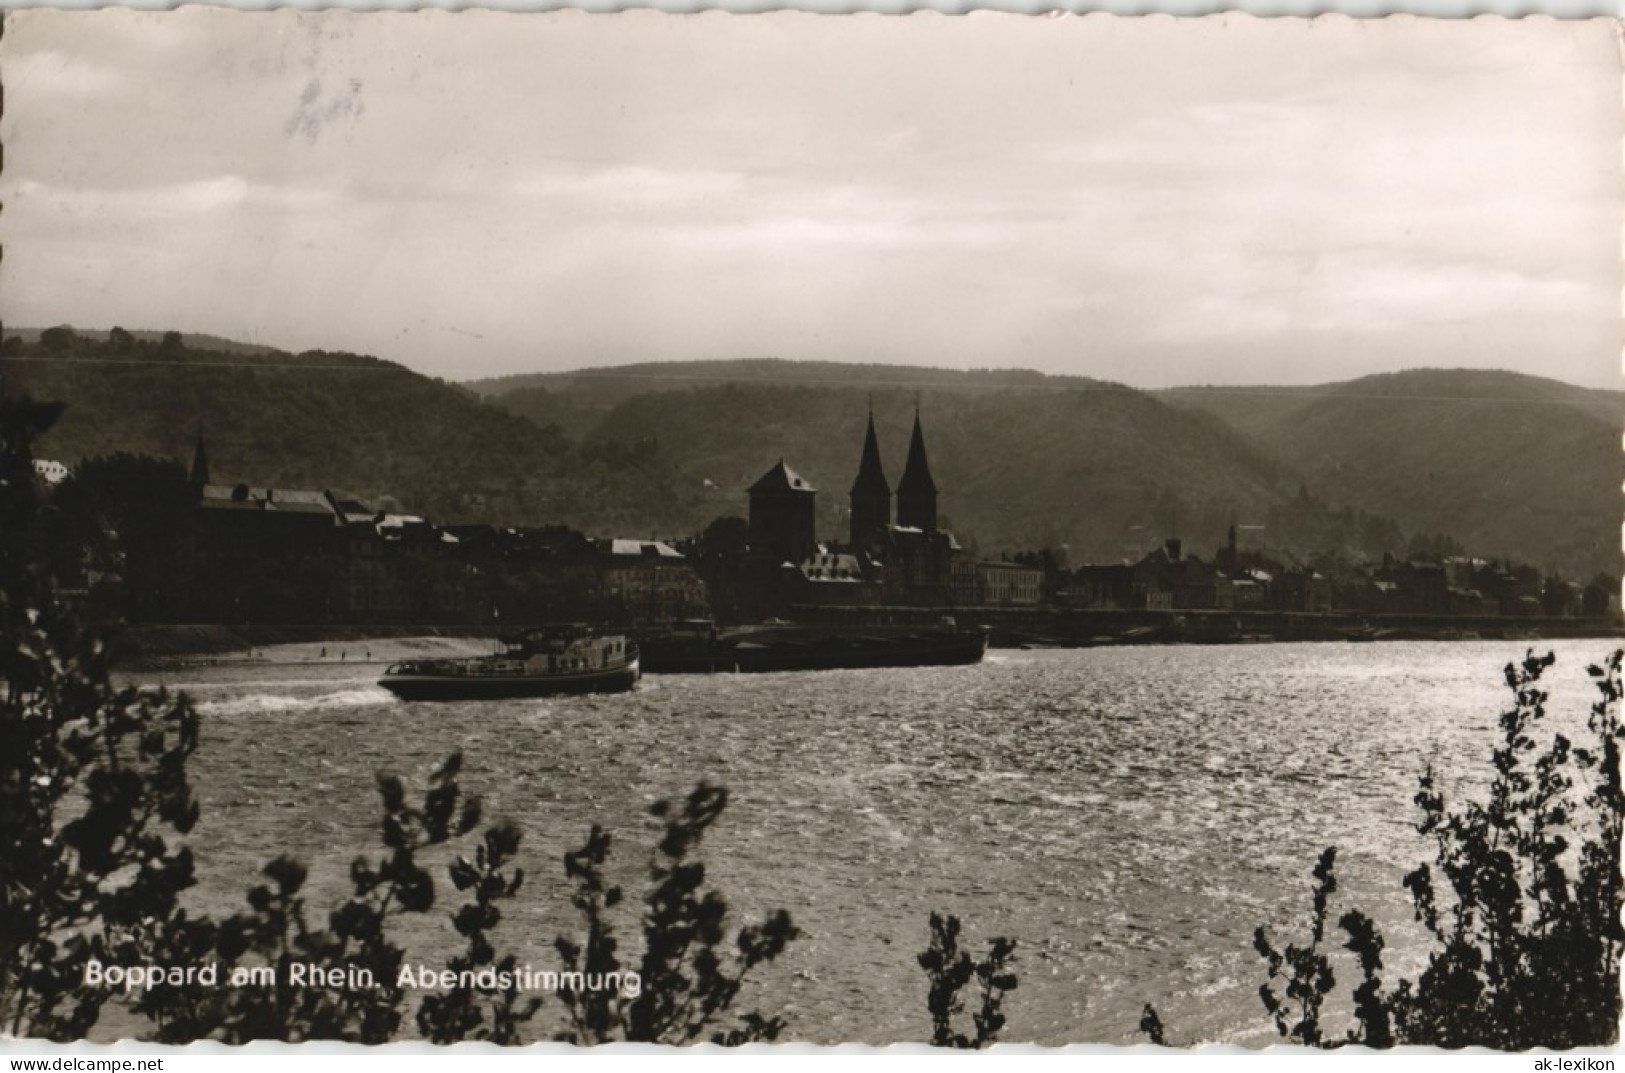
(577, 401)
(1501, 461)
(359, 426)
(1500, 464)
(187, 340)
(1022, 460)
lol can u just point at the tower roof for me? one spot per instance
(871, 476)
(781, 478)
(916, 471)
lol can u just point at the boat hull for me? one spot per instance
(807, 652)
(422, 686)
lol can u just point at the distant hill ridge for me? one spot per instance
(1504, 462)
(577, 400)
(1496, 459)
(192, 340)
(1262, 403)
(782, 370)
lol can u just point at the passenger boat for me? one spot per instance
(537, 663)
(694, 648)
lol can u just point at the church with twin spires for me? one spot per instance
(907, 560)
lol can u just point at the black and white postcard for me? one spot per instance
(810, 528)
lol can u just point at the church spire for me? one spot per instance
(917, 492)
(871, 495)
(200, 460)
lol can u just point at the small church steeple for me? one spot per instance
(917, 492)
(200, 460)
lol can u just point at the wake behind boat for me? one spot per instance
(537, 663)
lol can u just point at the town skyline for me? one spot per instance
(309, 555)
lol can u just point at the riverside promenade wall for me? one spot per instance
(1068, 627)
(1011, 627)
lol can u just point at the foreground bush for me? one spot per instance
(1521, 901)
(688, 975)
(93, 786)
(94, 803)
(951, 969)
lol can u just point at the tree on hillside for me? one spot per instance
(727, 537)
(1601, 595)
(59, 339)
(135, 515)
(1434, 547)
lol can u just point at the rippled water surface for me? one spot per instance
(1129, 815)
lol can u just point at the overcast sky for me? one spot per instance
(1152, 201)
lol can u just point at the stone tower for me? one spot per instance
(782, 519)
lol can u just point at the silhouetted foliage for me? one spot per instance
(277, 933)
(725, 537)
(951, 970)
(1151, 1025)
(1433, 547)
(687, 977)
(494, 1014)
(129, 519)
(1522, 901)
(1306, 970)
(93, 782)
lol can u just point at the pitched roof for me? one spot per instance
(400, 521)
(781, 478)
(278, 500)
(353, 511)
(913, 536)
(871, 476)
(916, 471)
(298, 500)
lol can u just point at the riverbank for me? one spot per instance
(147, 647)
(160, 646)
(1063, 627)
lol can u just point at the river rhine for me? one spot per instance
(1129, 815)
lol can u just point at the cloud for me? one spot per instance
(55, 73)
(166, 205)
(625, 186)
(1132, 195)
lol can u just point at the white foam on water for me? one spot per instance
(267, 703)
